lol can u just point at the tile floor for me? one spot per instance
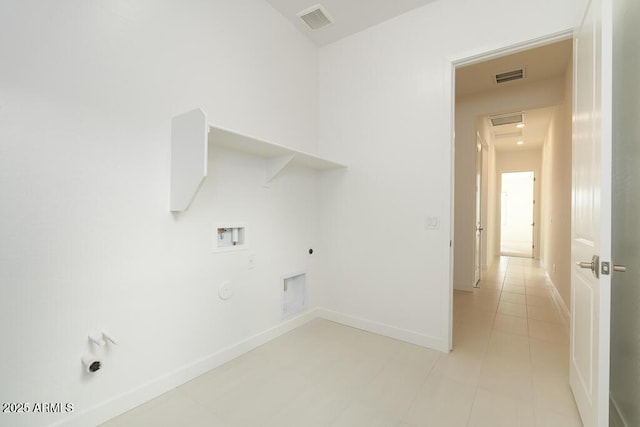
(509, 367)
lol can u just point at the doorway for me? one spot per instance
(522, 125)
(488, 143)
(527, 128)
(516, 214)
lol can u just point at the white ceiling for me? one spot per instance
(540, 63)
(534, 132)
(349, 16)
(352, 16)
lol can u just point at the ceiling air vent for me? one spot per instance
(507, 119)
(315, 17)
(509, 76)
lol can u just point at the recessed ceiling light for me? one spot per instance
(520, 142)
(520, 126)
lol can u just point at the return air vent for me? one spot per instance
(509, 76)
(316, 17)
(507, 119)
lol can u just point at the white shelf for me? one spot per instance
(275, 153)
(189, 151)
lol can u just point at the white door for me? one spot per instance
(591, 215)
(478, 239)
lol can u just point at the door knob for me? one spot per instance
(605, 268)
(594, 265)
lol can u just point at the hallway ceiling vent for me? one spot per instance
(509, 76)
(507, 119)
(315, 17)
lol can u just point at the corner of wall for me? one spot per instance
(390, 331)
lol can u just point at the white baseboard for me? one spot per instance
(129, 400)
(467, 288)
(557, 299)
(384, 329)
(119, 404)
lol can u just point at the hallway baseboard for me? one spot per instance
(557, 299)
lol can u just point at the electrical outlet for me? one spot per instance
(252, 261)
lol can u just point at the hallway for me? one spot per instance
(513, 343)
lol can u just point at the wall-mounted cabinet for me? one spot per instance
(191, 135)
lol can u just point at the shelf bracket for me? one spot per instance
(277, 164)
(189, 147)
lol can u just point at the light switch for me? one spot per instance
(432, 223)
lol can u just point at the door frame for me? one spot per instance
(477, 244)
(457, 61)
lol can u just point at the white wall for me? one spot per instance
(490, 218)
(385, 95)
(556, 196)
(87, 93)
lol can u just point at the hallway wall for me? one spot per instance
(556, 195)
(490, 219)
